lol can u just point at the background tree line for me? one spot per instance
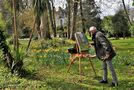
(81, 14)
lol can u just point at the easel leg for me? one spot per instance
(79, 65)
(93, 67)
(71, 64)
(80, 70)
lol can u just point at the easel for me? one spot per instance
(78, 56)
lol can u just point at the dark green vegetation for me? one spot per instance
(46, 68)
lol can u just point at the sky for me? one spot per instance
(105, 9)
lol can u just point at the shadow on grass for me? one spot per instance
(80, 85)
(98, 78)
(29, 75)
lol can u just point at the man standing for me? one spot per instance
(104, 52)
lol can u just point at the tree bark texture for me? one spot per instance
(74, 19)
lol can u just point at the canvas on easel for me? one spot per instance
(82, 41)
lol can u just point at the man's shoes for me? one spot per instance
(113, 84)
(105, 82)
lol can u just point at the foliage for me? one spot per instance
(107, 25)
(91, 14)
(2, 22)
(120, 24)
(49, 52)
(25, 32)
(26, 19)
(132, 30)
(7, 14)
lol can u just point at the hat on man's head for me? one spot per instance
(92, 28)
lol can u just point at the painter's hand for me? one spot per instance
(106, 57)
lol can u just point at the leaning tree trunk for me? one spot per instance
(9, 60)
(69, 17)
(82, 17)
(51, 18)
(5, 49)
(127, 15)
(74, 19)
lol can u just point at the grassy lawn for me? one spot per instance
(47, 62)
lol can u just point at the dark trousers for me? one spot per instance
(111, 68)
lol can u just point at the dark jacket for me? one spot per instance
(102, 46)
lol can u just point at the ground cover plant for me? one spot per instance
(46, 65)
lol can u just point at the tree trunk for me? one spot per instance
(51, 18)
(15, 34)
(69, 17)
(117, 37)
(45, 25)
(15, 64)
(74, 19)
(82, 17)
(54, 22)
(31, 35)
(9, 60)
(38, 23)
(7, 56)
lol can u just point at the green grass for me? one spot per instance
(47, 68)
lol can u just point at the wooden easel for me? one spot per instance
(79, 56)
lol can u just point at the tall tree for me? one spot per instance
(91, 14)
(82, 17)
(51, 17)
(40, 7)
(38, 10)
(69, 17)
(74, 19)
(45, 29)
(53, 14)
(15, 33)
